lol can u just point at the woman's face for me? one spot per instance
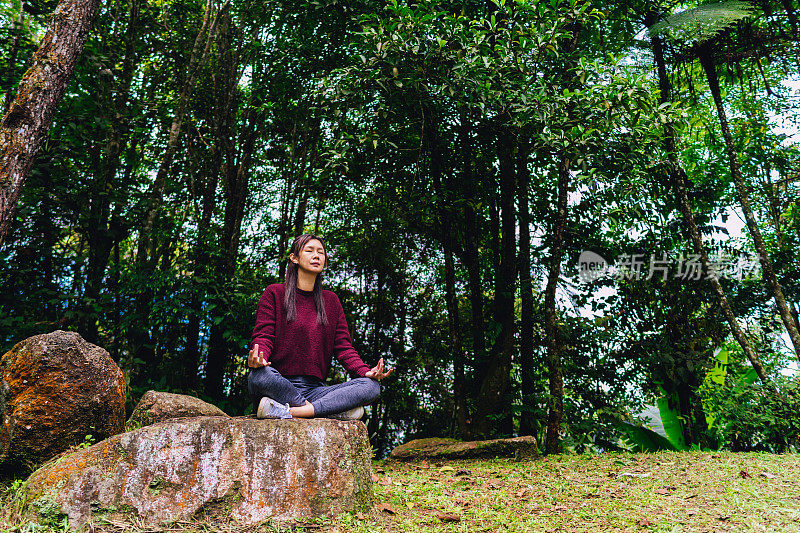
(311, 257)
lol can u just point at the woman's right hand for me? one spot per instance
(255, 359)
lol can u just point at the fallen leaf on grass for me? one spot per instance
(768, 475)
(360, 515)
(521, 493)
(449, 517)
(492, 484)
(375, 478)
(662, 491)
(410, 505)
(644, 522)
(385, 508)
(635, 474)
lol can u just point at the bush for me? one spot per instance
(752, 417)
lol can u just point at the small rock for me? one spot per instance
(158, 406)
(436, 448)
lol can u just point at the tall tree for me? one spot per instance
(24, 127)
(147, 254)
(527, 337)
(237, 127)
(705, 42)
(678, 177)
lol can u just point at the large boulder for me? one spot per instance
(159, 406)
(56, 389)
(436, 448)
(217, 468)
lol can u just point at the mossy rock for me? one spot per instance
(438, 448)
(217, 469)
(55, 390)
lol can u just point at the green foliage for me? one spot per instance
(702, 23)
(642, 439)
(755, 417)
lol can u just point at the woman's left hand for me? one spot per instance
(378, 373)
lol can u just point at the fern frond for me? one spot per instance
(702, 23)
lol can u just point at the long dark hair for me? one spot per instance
(290, 296)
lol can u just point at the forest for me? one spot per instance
(546, 216)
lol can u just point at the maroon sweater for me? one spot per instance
(303, 347)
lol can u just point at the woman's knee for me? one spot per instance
(260, 378)
(371, 388)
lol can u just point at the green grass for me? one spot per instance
(697, 492)
(612, 492)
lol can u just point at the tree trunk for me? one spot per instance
(526, 337)
(201, 266)
(102, 234)
(555, 414)
(24, 127)
(446, 238)
(236, 180)
(200, 51)
(311, 140)
(471, 257)
(494, 387)
(707, 63)
(454, 330)
(287, 201)
(146, 257)
(679, 183)
(12, 55)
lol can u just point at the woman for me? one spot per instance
(299, 327)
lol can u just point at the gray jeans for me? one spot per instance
(295, 390)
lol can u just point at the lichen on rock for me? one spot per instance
(55, 389)
(218, 468)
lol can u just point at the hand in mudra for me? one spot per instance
(255, 359)
(378, 373)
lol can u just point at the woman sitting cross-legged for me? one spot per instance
(299, 328)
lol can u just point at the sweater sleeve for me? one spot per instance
(264, 330)
(343, 348)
